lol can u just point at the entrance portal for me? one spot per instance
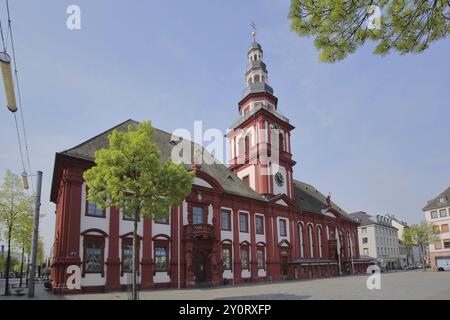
(284, 265)
(201, 268)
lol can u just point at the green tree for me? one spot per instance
(130, 175)
(14, 203)
(339, 27)
(419, 235)
(22, 237)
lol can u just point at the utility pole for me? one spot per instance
(34, 247)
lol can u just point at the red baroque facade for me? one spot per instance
(248, 222)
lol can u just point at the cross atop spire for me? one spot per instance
(253, 25)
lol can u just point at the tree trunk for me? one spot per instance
(21, 266)
(8, 262)
(135, 262)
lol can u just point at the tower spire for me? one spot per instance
(256, 75)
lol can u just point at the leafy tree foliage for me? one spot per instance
(14, 205)
(339, 27)
(130, 175)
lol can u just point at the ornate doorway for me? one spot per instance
(284, 265)
(201, 267)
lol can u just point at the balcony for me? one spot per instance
(199, 231)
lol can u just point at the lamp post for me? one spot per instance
(34, 247)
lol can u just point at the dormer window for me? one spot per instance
(442, 199)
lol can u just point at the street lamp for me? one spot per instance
(5, 62)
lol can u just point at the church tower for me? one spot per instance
(260, 141)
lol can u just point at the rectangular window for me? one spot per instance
(93, 210)
(436, 229)
(244, 258)
(438, 245)
(246, 180)
(226, 257)
(260, 258)
(198, 215)
(259, 224)
(365, 240)
(127, 215)
(442, 213)
(366, 251)
(363, 230)
(444, 228)
(164, 220)
(243, 222)
(434, 214)
(447, 243)
(127, 257)
(283, 231)
(225, 220)
(160, 258)
(93, 256)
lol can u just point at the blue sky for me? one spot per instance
(373, 131)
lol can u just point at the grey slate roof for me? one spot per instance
(364, 218)
(228, 180)
(307, 197)
(310, 199)
(435, 204)
(255, 45)
(257, 88)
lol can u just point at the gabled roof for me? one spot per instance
(435, 204)
(228, 180)
(310, 199)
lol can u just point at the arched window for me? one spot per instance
(354, 243)
(300, 240)
(257, 78)
(349, 245)
(247, 144)
(319, 241)
(311, 241)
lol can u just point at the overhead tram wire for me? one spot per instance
(3, 38)
(19, 96)
(20, 144)
(15, 117)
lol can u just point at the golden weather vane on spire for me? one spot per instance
(253, 25)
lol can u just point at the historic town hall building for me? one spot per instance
(248, 222)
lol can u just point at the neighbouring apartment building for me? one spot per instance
(378, 239)
(406, 254)
(249, 221)
(437, 213)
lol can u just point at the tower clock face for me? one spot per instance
(279, 179)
